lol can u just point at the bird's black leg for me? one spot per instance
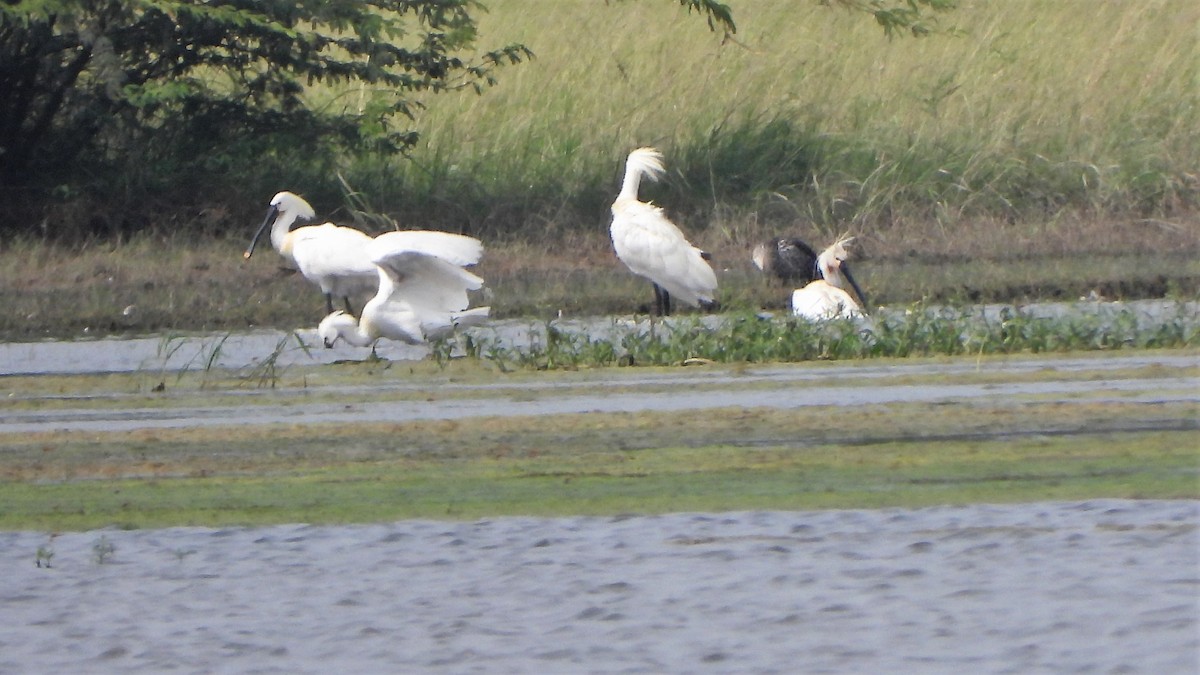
(328, 303)
(349, 309)
(662, 301)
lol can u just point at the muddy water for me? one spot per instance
(247, 350)
(1104, 586)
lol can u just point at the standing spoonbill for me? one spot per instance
(827, 297)
(652, 247)
(332, 257)
(422, 290)
(788, 259)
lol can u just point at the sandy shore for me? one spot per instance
(1101, 586)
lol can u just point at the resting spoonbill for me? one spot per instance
(422, 290)
(332, 257)
(827, 298)
(788, 259)
(652, 247)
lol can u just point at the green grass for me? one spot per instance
(706, 478)
(814, 116)
(810, 117)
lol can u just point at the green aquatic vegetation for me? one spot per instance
(103, 550)
(917, 331)
(43, 556)
(268, 372)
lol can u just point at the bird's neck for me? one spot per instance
(357, 335)
(629, 186)
(828, 270)
(279, 232)
(833, 276)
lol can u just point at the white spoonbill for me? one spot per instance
(332, 257)
(422, 290)
(652, 247)
(827, 298)
(788, 259)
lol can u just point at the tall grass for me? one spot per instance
(1027, 108)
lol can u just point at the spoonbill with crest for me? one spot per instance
(422, 290)
(332, 257)
(652, 247)
(828, 297)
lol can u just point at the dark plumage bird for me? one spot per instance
(788, 259)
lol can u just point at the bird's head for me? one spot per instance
(331, 327)
(761, 256)
(287, 202)
(831, 259)
(646, 162)
(284, 205)
(834, 268)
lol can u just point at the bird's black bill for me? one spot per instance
(854, 284)
(271, 213)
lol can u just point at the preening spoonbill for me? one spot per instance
(422, 290)
(332, 257)
(827, 298)
(652, 246)
(788, 259)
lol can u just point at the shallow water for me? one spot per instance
(1099, 586)
(695, 395)
(172, 354)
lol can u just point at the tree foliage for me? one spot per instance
(134, 97)
(917, 17)
(80, 75)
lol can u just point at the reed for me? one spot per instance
(1025, 109)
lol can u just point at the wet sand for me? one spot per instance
(1100, 586)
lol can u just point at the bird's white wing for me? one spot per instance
(457, 249)
(654, 247)
(329, 250)
(424, 282)
(820, 300)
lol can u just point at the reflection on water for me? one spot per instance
(246, 350)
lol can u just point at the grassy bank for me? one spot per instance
(160, 284)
